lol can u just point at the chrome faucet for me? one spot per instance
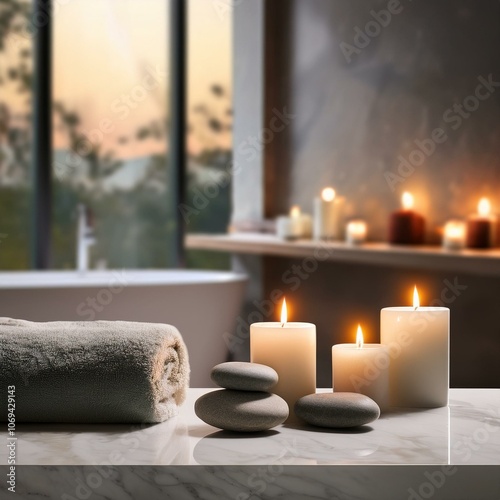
(85, 237)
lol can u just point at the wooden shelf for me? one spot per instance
(485, 262)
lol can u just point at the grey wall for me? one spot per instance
(352, 121)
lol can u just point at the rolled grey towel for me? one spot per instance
(92, 371)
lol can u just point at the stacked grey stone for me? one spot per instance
(244, 404)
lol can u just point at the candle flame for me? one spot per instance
(454, 229)
(484, 207)
(416, 298)
(283, 313)
(328, 194)
(359, 337)
(295, 211)
(357, 227)
(407, 200)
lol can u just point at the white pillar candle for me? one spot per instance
(362, 368)
(418, 341)
(289, 348)
(356, 231)
(328, 215)
(296, 225)
(454, 235)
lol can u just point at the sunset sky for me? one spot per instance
(111, 63)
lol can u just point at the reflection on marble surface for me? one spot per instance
(49, 444)
(466, 433)
(475, 426)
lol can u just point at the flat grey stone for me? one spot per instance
(241, 411)
(244, 376)
(337, 409)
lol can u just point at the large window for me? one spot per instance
(111, 126)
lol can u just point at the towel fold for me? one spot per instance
(92, 371)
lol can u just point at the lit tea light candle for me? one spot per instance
(482, 227)
(454, 235)
(296, 225)
(406, 227)
(328, 215)
(289, 348)
(418, 340)
(295, 212)
(362, 368)
(356, 231)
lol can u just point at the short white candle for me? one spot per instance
(303, 221)
(289, 348)
(454, 235)
(356, 231)
(418, 341)
(362, 368)
(296, 225)
(328, 215)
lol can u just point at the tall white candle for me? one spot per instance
(328, 215)
(289, 348)
(418, 340)
(362, 368)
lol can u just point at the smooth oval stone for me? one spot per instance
(337, 409)
(241, 411)
(244, 376)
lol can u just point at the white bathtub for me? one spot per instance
(203, 305)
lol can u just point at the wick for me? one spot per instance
(282, 325)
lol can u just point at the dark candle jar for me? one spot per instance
(406, 227)
(482, 227)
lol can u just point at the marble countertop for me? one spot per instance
(465, 433)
